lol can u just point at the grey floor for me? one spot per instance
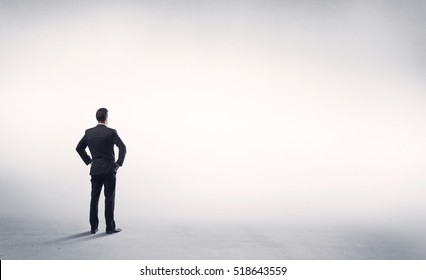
(203, 240)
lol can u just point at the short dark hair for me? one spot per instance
(101, 114)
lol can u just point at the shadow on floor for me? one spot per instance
(75, 236)
(82, 236)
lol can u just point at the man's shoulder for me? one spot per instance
(100, 128)
(92, 129)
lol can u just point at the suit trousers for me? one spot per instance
(108, 181)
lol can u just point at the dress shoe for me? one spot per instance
(113, 231)
(93, 231)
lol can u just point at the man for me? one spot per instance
(101, 140)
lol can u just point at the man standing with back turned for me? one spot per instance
(101, 140)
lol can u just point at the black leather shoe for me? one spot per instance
(93, 231)
(117, 230)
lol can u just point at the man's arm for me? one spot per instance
(121, 148)
(81, 150)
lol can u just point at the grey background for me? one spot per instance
(293, 122)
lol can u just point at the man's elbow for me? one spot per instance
(80, 149)
(123, 149)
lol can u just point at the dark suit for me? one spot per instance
(101, 140)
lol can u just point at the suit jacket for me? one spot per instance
(101, 140)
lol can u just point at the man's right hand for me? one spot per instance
(116, 165)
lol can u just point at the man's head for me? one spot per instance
(102, 115)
